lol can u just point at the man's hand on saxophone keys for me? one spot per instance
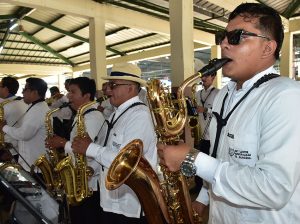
(55, 142)
(80, 144)
(172, 155)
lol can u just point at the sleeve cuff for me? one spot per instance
(92, 150)
(68, 147)
(203, 196)
(5, 128)
(206, 166)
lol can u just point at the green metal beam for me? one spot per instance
(72, 31)
(46, 47)
(32, 62)
(22, 49)
(150, 46)
(78, 55)
(50, 22)
(132, 39)
(116, 30)
(291, 9)
(22, 12)
(4, 39)
(3, 25)
(7, 17)
(29, 56)
(37, 22)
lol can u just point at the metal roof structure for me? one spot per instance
(45, 37)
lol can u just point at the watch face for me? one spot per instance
(188, 169)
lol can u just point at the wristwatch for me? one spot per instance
(188, 167)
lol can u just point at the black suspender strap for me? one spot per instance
(33, 103)
(222, 122)
(85, 112)
(203, 101)
(111, 124)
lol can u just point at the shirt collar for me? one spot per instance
(208, 89)
(249, 83)
(126, 104)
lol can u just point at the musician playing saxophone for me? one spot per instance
(31, 133)
(13, 110)
(253, 167)
(82, 91)
(131, 120)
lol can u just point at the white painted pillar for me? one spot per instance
(182, 46)
(97, 49)
(286, 58)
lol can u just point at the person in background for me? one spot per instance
(253, 169)
(104, 103)
(67, 83)
(13, 113)
(31, 133)
(57, 99)
(131, 120)
(205, 98)
(81, 91)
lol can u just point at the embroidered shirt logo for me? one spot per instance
(230, 135)
(116, 145)
(239, 154)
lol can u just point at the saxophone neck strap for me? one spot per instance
(203, 101)
(219, 117)
(85, 113)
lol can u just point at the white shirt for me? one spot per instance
(255, 178)
(135, 123)
(31, 134)
(13, 115)
(93, 122)
(206, 96)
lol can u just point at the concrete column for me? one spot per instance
(286, 58)
(216, 53)
(97, 49)
(182, 46)
(61, 82)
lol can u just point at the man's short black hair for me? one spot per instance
(53, 90)
(269, 21)
(86, 85)
(37, 84)
(11, 84)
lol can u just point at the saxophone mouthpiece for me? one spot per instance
(213, 66)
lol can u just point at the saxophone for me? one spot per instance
(75, 177)
(4, 146)
(193, 122)
(167, 201)
(47, 165)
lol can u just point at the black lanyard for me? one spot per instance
(33, 103)
(111, 124)
(222, 122)
(203, 101)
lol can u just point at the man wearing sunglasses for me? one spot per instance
(253, 170)
(130, 120)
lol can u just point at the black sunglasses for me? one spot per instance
(113, 85)
(234, 37)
